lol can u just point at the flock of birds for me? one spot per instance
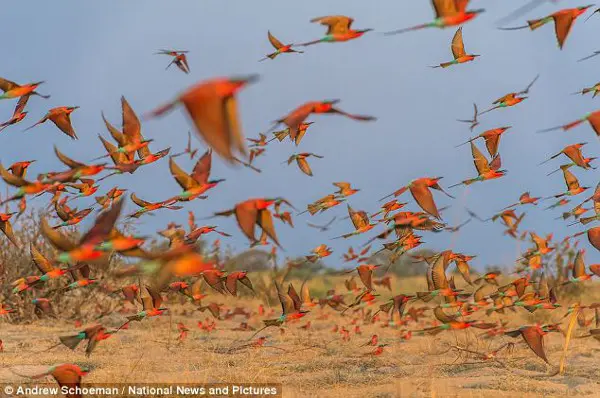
(212, 107)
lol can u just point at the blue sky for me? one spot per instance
(91, 53)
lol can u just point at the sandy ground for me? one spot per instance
(308, 363)
(317, 362)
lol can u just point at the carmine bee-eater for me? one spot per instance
(345, 189)
(361, 223)
(151, 302)
(147, 207)
(458, 51)
(279, 47)
(492, 139)
(283, 134)
(420, 190)
(593, 118)
(93, 334)
(524, 199)
(197, 183)
(13, 90)
(233, 278)
(511, 99)
(587, 162)
(595, 89)
(25, 187)
(291, 305)
(258, 142)
(579, 274)
(19, 169)
(66, 375)
(323, 204)
(573, 152)
(534, 337)
(18, 114)
(320, 251)
(303, 165)
(339, 29)
(61, 117)
(447, 13)
(212, 106)
(107, 200)
(179, 59)
(7, 229)
(563, 21)
(486, 170)
(196, 233)
(86, 247)
(188, 149)
(296, 117)
(70, 216)
(254, 212)
(474, 122)
(573, 186)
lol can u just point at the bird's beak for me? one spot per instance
(506, 127)
(366, 30)
(38, 83)
(478, 11)
(246, 79)
(72, 108)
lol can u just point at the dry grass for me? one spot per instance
(309, 363)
